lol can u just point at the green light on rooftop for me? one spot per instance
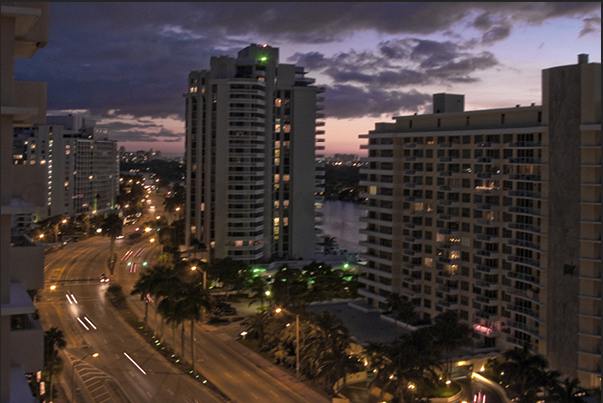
(263, 59)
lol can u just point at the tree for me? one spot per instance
(258, 287)
(192, 300)
(112, 226)
(407, 366)
(231, 273)
(197, 245)
(568, 391)
(450, 334)
(402, 309)
(54, 339)
(334, 358)
(328, 244)
(289, 287)
(524, 373)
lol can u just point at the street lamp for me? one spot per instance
(94, 355)
(279, 310)
(194, 268)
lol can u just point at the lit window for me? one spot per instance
(287, 128)
(276, 178)
(276, 221)
(373, 190)
(277, 128)
(277, 102)
(286, 178)
(428, 262)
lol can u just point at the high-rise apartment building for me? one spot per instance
(252, 177)
(24, 31)
(81, 162)
(496, 214)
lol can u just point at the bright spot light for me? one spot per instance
(461, 363)
(99, 230)
(53, 287)
(267, 293)
(152, 240)
(194, 268)
(95, 355)
(278, 310)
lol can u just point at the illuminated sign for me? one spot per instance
(482, 329)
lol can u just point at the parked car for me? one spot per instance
(104, 278)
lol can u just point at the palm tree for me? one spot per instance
(402, 309)
(168, 308)
(112, 226)
(523, 372)
(157, 281)
(193, 299)
(568, 391)
(335, 360)
(450, 334)
(258, 287)
(54, 339)
(328, 244)
(197, 245)
(410, 359)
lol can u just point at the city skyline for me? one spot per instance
(124, 63)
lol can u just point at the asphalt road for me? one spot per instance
(127, 369)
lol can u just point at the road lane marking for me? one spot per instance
(170, 392)
(246, 373)
(253, 394)
(227, 374)
(271, 391)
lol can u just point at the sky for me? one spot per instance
(126, 64)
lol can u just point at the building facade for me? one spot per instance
(81, 162)
(24, 189)
(496, 214)
(252, 177)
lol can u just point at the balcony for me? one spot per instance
(487, 269)
(524, 227)
(525, 311)
(448, 304)
(527, 194)
(449, 145)
(525, 177)
(487, 254)
(525, 161)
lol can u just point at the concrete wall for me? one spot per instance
(562, 105)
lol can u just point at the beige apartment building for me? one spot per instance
(253, 179)
(24, 189)
(496, 215)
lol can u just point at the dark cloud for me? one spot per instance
(592, 24)
(135, 57)
(346, 101)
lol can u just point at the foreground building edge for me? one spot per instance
(24, 30)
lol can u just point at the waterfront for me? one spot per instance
(341, 220)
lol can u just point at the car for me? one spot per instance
(104, 278)
(121, 236)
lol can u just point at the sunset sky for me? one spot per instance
(126, 64)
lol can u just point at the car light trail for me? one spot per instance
(83, 324)
(90, 322)
(71, 298)
(134, 362)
